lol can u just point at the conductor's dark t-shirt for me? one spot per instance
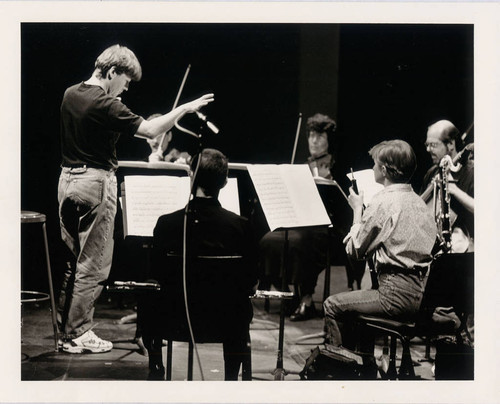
(91, 123)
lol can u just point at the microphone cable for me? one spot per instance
(184, 243)
(202, 118)
(184, 264)
(182, 129)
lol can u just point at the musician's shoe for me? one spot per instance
(88, 342)
(303, 312)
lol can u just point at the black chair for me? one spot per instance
(219, 311)
(450, 283)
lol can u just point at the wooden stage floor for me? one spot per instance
(125, 361)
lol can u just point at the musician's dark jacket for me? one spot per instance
(465, 181)
(219, 295)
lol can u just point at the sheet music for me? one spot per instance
(148, 197)
(366, 183)
(288, 195)
(229, 197)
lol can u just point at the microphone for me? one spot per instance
(210, 125)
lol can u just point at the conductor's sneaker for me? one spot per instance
(87, 343)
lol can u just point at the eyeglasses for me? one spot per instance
(432, 145)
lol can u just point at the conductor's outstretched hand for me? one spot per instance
(199, 103)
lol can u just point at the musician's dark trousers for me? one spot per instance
(307, 257)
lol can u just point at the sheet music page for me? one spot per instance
(366, 183)
(148, 197)
(288, 195)
(229, 197)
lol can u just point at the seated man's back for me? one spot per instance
(220, 267)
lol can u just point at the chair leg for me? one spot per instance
(246, 369)
(190, 361)
(237, 354)
(406, 370)
(170, 344)
(392, 373)
(246, 365)
(427, 354)
(155, 356)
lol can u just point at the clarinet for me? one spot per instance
(443, 218)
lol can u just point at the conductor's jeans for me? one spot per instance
(399, 296)
(87, 208)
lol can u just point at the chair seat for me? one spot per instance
(28, 296)
(401, 327)
(28, 216)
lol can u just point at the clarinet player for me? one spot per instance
(443, 139)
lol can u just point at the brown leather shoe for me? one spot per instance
(303, 312)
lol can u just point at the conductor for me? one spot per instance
(93, 117)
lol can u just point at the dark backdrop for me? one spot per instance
(378, 81)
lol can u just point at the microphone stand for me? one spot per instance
(188, 257)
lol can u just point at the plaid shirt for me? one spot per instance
(397, 229)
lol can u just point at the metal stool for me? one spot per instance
(33, 296)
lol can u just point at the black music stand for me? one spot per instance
(288, 195)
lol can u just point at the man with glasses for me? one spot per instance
(443, 138)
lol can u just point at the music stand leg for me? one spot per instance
(326, 286)
(280, 373)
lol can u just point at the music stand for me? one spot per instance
(289, 200)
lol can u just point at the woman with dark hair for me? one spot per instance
(320, 130)
(307, 246)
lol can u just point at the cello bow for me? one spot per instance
(160, 147)
(296, 138)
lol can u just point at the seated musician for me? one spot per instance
(443, 139)
(218, 306)
(162, 152)
(397, 232)
(307, 246)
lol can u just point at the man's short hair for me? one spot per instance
(398, 158)
(448, 132)
(212, 172)
(122, 58)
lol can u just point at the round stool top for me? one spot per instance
(28, 216)
(29, 296)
